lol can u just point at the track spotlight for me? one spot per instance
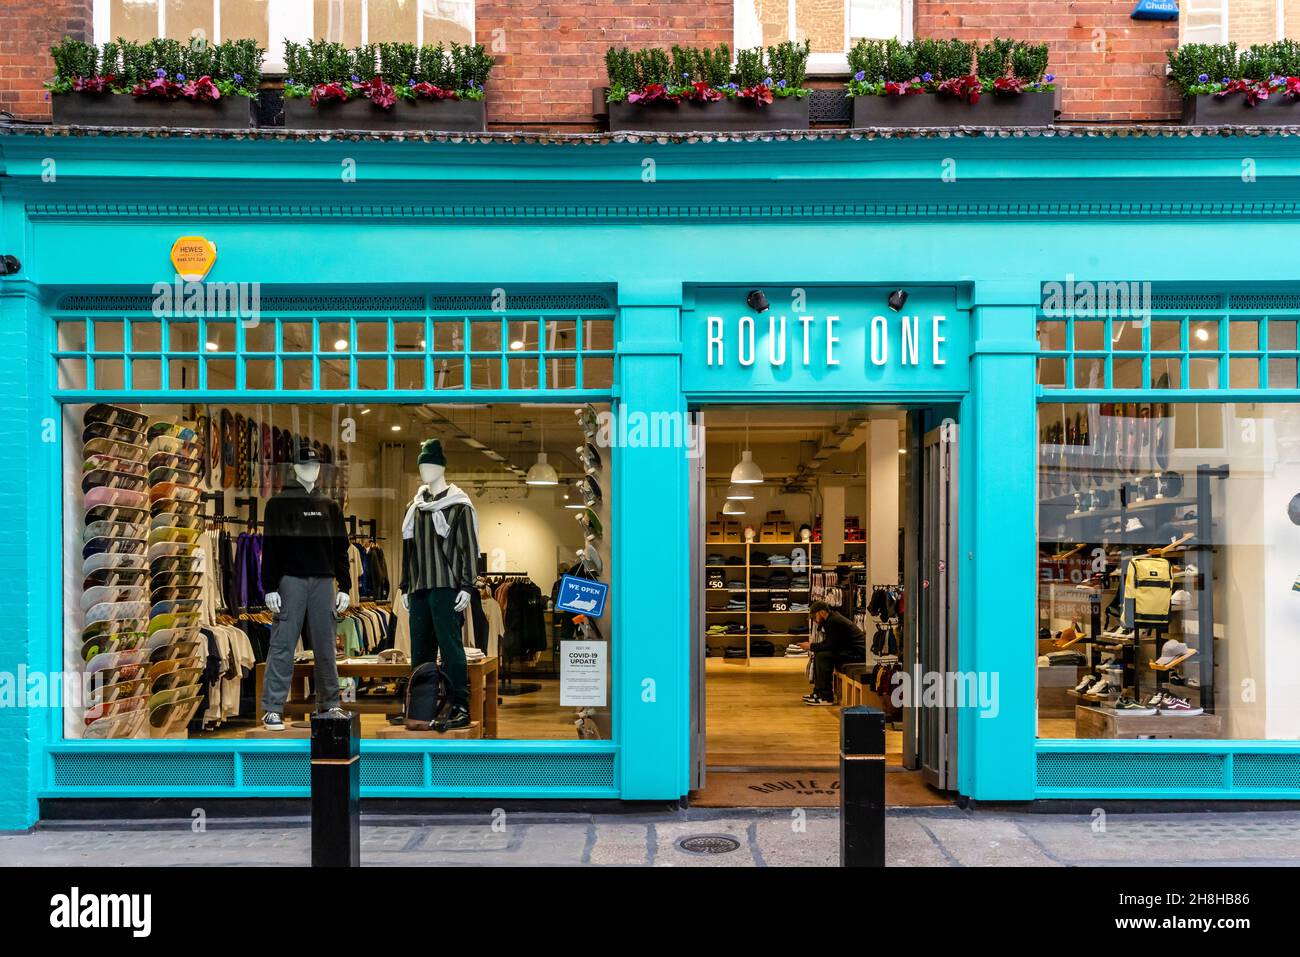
(757, 301)
(897, 299)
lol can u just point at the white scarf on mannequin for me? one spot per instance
(437, 506)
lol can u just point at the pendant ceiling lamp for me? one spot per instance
(733, 508)
(542, 473)
(740, 493)
(746, 471)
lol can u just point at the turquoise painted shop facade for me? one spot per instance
(664, 234)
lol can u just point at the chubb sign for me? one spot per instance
(809, 341)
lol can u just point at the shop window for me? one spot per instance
(296, 353)
(1127, 375)
(830, 26)
(271, 22)
(1051, 373)
(259, 336)
(1089, 336)
(1203, 373)
(163, 499)
(182, 374)
(1126, 336)
(1282, 373)
(147, 337)
(1167, 555)
(1281, 335)
(1051, 336)
(297, 374)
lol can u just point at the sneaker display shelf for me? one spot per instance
(741, 597)
(1068, 594)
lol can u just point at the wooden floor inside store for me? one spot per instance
(766, 748)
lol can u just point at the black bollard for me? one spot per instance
(862, 787)
(335, 791)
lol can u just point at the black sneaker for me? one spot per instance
(816, 700)
(453, 718)
(335, 713)
(273, 721)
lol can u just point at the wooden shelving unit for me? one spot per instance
(754, 577)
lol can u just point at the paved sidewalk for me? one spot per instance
(932, 837)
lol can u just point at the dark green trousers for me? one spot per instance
(436, 627)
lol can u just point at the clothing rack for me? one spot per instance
(506, 684)
(354, 523)
(251, 503)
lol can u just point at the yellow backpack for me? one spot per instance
(1149, 585)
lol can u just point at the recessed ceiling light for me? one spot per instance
(421, 343)
(365, 411)
(1203, 334)
(397, 428)
(516, 345)
(340, 345)
(902, 451)
(212, 346)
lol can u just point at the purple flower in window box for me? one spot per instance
(860, 75)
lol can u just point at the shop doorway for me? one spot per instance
(791, 505)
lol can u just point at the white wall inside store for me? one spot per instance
(530, 533)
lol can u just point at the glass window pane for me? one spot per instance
(334, 337)
(182, 373)
(597, 373)
(1243, 373)
(391, 21)
(1243, 336)
(259, 335)
(335, 373)
(1166, 373)
(259, 374)
(523, 373)
(109, 374)
(372, 336)
(189, 19)
(1051, 373)
(249, 18)
(72, 374)
(1089, 336)
(339, 22)
(1282, 373)
(409, 337)
(561, 373)
(109, 336)
(146, 336)
(372, 373)
(1090, 373)
(1203, 334)
(221, 337)
(72, 336)
(296, 336)
(221, 374)
(1051, 335)
(1281, 335)
(1126, 374)
(408, 373)
(133, 19)
(449, 336)
(1203, 374)
(523, 336)
(1126, 335)
(1166, 336)
(182, 336)
(598, 334)
(561, 335)
(297, 374)
(448, 23)
(485, 335)
(449, 374)
(485, 373)
(146, 373)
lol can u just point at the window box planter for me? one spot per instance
(450, 116)
(1206, 110)
(125, 110)
(931, 110)
(724, 116)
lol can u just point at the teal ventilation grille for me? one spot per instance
(144, 771)
(1130, 771)
(1266, 771)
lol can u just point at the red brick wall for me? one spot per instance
(551, 55)
(1109, 67)
(28, 28)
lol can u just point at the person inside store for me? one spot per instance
(841, 642)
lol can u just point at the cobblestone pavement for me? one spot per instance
(931, 837)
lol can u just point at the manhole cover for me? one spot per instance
(708, 844)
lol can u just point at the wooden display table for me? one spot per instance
(1092, 722)
(483, 690)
